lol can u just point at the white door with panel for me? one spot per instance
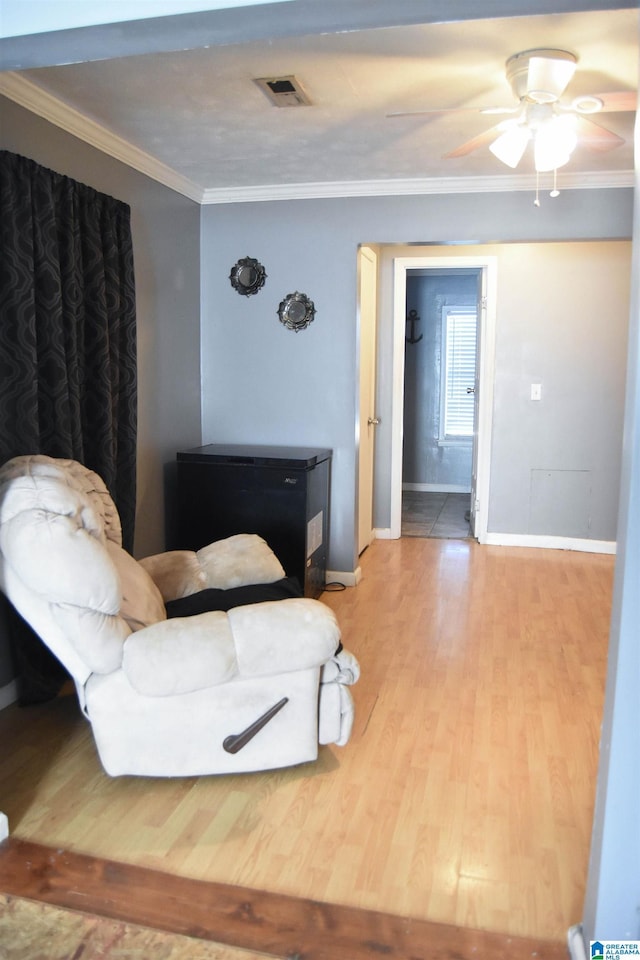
(367, 420)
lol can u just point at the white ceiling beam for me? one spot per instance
(203, 28)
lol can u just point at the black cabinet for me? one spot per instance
(280, 493)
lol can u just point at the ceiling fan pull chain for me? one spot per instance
(536, 202)
(555, 192)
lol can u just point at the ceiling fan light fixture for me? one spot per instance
(555, 141)
(543, 72)
(541, 96)
(511, 145)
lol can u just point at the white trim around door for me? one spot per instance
(486, 359)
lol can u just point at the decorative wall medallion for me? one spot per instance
(247, 276)
(296, 311)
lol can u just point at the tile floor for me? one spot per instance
(435, 515)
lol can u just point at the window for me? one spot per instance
(458, 372)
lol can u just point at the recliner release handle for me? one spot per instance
(236, 741)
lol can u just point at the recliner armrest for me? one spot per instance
(283, 635)
(262, 639)
(342, 668)
(181, 655)
(241, 560)
(176, 573)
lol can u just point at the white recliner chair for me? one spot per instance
(252, 689)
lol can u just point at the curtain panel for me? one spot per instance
(68, 385)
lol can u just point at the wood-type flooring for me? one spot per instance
(462, 804)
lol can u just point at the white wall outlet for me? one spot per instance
(536, 391)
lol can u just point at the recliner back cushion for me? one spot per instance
(64, 565)
(58, 486)
(52, 536)
(57, 558)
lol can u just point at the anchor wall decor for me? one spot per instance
(412, 319)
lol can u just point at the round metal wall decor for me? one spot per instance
(296, 311)
(247, 276)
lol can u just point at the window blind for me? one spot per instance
(459, 330)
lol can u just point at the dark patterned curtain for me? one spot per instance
(67, 327)
(67, 353)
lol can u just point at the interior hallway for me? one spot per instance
(465, 796)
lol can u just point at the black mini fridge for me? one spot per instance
(280, 493)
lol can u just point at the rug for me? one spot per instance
(30, 930)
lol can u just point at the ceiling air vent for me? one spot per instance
(283, 91)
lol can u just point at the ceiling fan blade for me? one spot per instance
(493, 111)
(429, 113)
(594, 137)
(501, 111)
(617, 102)
(550, 75)
(480, 141)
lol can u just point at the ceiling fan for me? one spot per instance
(538, 79)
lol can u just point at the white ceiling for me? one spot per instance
(197, 114)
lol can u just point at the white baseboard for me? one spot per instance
(342, 576)
(549, 543)
(437, 487)
(576, 944)
(383, 533)
(529, 540)
(8, 694)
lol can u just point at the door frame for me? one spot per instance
(486, 356)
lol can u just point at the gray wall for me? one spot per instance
(562, 318)
(563, 314)
(426, 460)
(263, 383)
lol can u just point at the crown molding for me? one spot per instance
(415, 187)
(33, 98)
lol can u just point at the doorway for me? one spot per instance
(478, 291)
(442, 310)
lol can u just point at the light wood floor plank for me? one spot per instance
(465, 795)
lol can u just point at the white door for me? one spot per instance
(367, 296)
